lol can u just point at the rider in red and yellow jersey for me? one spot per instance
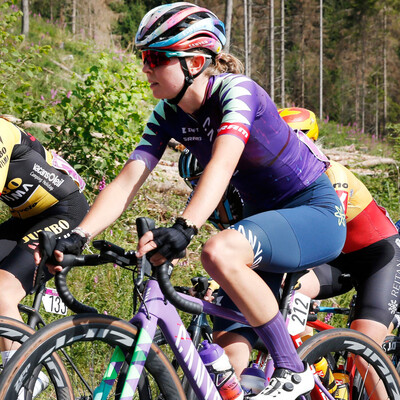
(370, 255)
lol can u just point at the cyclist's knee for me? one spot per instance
(226, 250)
(10, 288)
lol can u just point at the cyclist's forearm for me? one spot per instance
(115, 198)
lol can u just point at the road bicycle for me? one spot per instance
(121, 361)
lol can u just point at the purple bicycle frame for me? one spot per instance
(156, 311)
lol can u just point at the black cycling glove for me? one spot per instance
(73, 244)
(171, 242)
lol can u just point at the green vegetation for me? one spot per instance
(97, 105)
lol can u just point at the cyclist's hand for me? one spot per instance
(166, 243)
(73, 244)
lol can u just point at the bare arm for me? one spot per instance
(115, 198)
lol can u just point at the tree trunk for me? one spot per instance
(25, 17)
(249, 32)
(283, 103)
(321, 60)
(246, 38)
(228, 23)
(272, 66)
(73, 17)
(385, 92)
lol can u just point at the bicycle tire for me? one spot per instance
(60, 385)
(102, 334)
(342, 342)
(391, 346)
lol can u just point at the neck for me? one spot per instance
(194, 96)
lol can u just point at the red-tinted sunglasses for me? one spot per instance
(156, 58)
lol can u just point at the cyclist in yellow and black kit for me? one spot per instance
(43, 192)
(371, 253)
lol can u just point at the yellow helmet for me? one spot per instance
(302, 119)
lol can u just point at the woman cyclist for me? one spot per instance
(42, 193)
(371, 253)
(233, 128)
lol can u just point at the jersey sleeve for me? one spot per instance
(154, 139)
(9, 137)
(238, 96)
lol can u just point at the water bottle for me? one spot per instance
(252, 380)
(325, 374)
(221, 371)
(343, 382)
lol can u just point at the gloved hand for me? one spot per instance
(72, 244)
(171, 242)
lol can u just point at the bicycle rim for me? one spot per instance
(89, 341)
(59, 384)
(391, 346)
(368, 369)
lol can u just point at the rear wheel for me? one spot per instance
(361, 361)
(90, 341)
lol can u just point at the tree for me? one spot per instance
(25, 17)
(228, 23)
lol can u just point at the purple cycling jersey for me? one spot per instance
(276, 162)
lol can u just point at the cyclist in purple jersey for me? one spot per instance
(272, 152)
(234, 129)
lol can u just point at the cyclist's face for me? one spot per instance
(165, 80)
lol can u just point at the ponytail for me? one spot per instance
(225, 63)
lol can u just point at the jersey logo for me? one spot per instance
(239, 130)
(344, 199)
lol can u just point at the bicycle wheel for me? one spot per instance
(391, 346)
(350, 350)
(90, 340)
(59, 384)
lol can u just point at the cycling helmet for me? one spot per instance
(179, 29)
(189, 168)
(230, 208)
(301, 119)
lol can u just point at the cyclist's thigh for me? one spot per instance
(289, 240)
(59, 219)
(308, 230)
(376, 273)
(331, 281)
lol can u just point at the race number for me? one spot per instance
(52, 302)
(299, 313)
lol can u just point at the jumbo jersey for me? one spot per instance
(367, 222)
(276, 162)
(29, 182)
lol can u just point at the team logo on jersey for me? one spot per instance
(344, 198)
(392, 306)
(239, 130)
(340, 215)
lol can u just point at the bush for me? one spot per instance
(102, 119)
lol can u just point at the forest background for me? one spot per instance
(74, 80)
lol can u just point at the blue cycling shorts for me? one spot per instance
(306, 231)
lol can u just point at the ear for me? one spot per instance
(196, 63)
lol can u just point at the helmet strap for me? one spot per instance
(189, 78)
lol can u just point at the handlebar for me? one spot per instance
(110, 253)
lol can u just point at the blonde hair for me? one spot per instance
(225, 62)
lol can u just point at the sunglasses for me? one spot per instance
(155, 58)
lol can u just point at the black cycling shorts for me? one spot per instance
(19, 237)
(374, 272)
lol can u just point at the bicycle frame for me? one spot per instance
(153, 312)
